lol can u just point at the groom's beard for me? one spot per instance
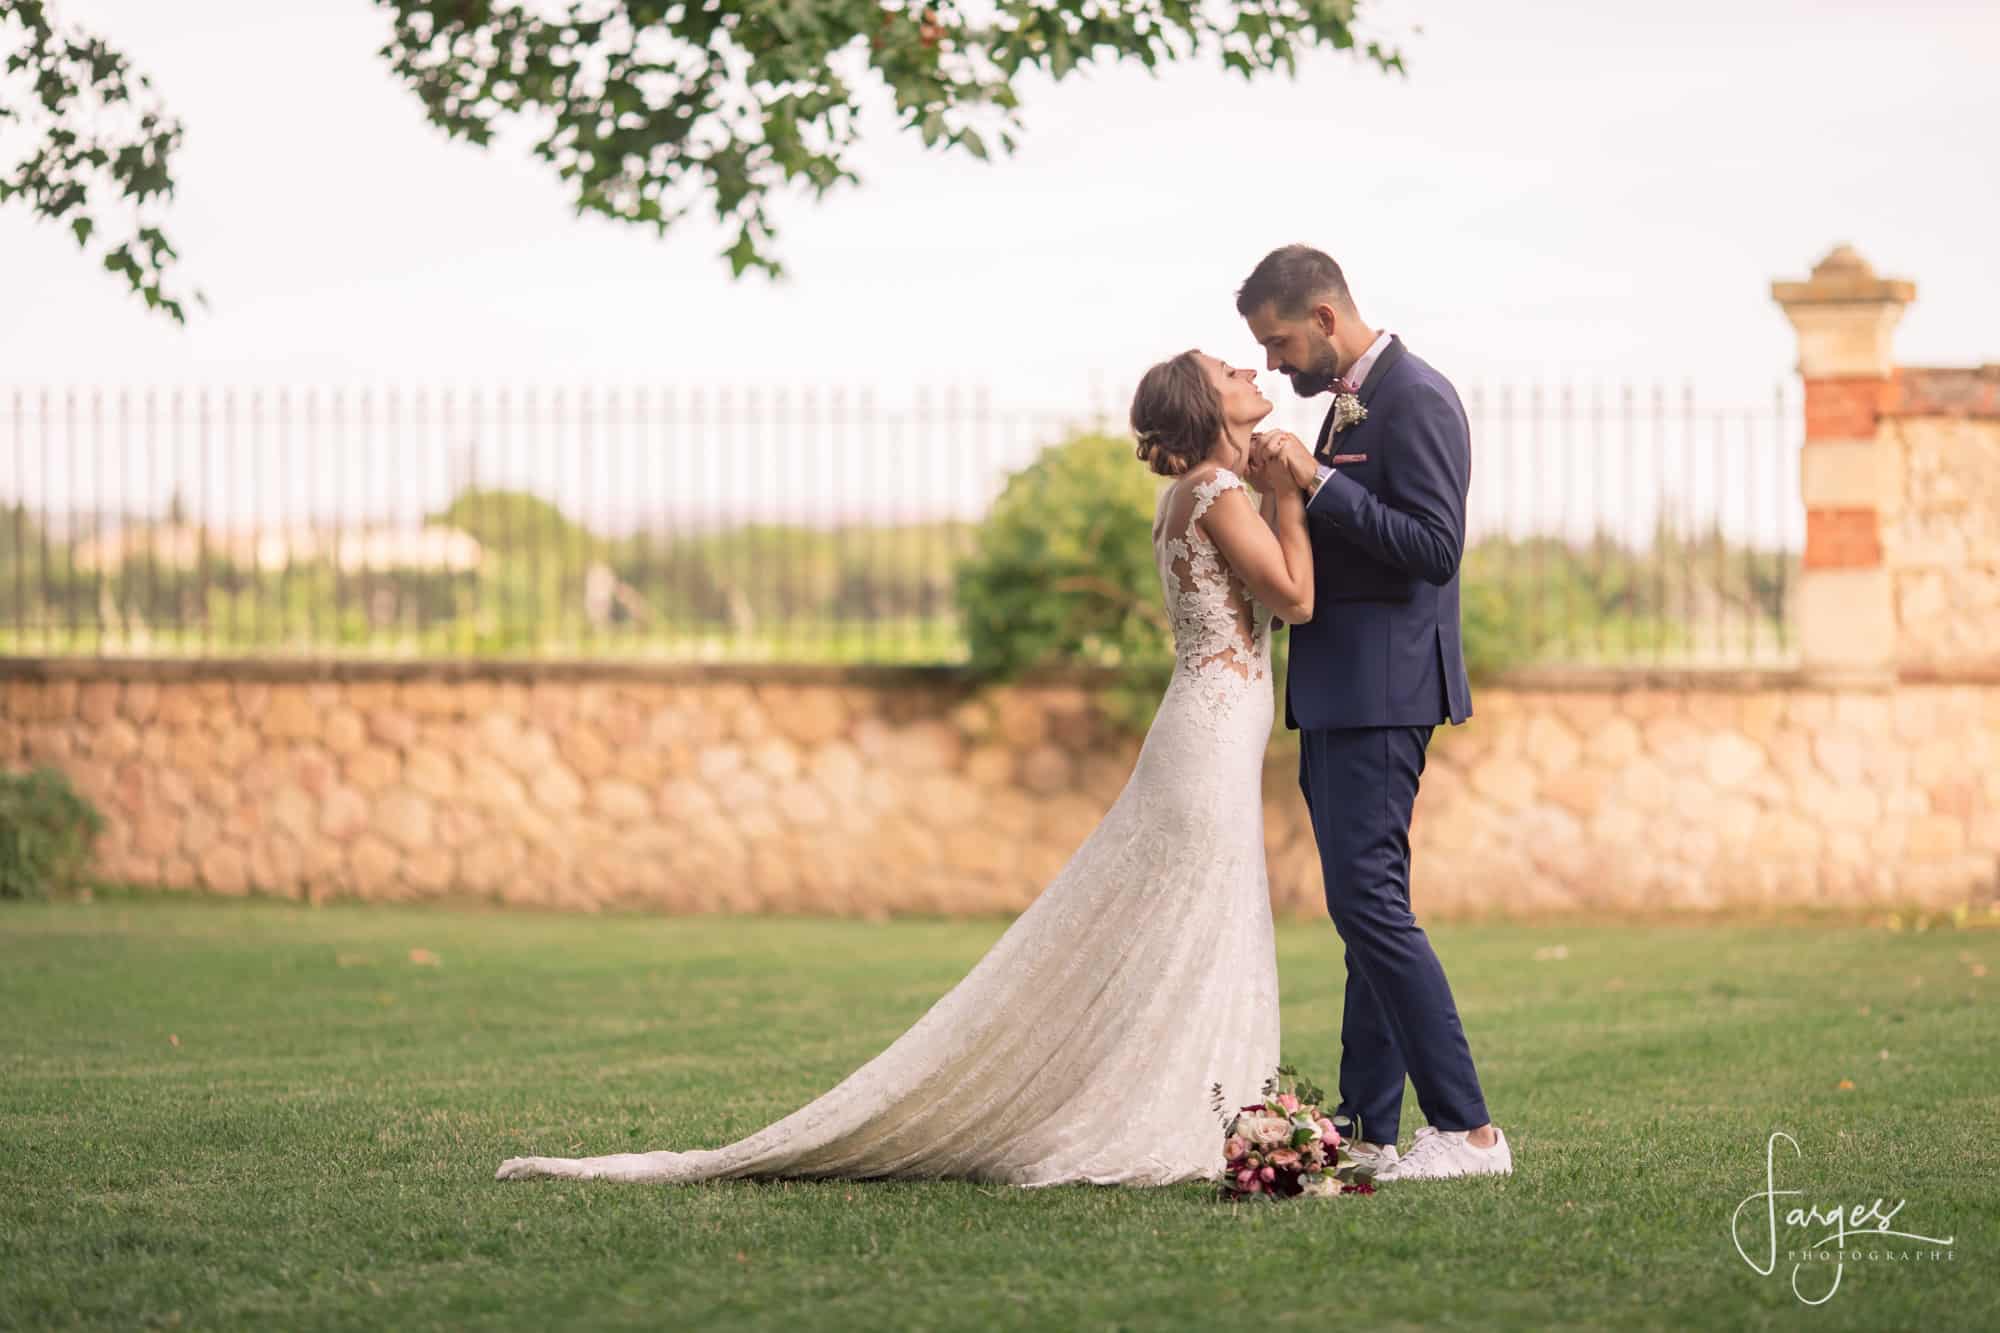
(1317, 378)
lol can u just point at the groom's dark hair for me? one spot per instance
(1291, 280)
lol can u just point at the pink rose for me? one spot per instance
(1329, 1134)
(1253, 1188)
(1245, 1176)
(1284, 1157)
(1268, 1173)
(1234, 1149)
(1289, 1102)
(1271, 1131)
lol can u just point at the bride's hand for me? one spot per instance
(1259, 469)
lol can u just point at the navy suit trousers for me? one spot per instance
(1360, 786)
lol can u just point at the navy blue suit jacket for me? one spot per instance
(1388, 529)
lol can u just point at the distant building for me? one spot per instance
(432, 548)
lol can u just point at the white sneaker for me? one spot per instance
(1440, 1154)
(1378, 1157)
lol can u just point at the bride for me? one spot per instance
(1084, 1046)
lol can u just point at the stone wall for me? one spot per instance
(909, 792)
(1680, 795)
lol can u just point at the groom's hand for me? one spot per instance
(1287, 452)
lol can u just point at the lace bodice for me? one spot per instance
(1222, 636)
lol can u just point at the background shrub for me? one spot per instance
(46, 832)
(1061, 575)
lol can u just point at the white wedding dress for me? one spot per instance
(1085, 1045)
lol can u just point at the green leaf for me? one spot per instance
(1062, 59)
(743, 255)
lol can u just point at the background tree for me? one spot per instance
(517, 522)
(648, 109)
(98, 143)
(1062, 575)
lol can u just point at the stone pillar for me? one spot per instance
(1851, 481)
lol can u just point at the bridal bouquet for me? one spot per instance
(1285, 1146)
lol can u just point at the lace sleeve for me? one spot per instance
(1205, 493)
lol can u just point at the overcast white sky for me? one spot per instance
(1596, 191)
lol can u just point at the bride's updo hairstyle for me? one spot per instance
(1176, 415)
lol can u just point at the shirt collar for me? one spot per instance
(1357, 374)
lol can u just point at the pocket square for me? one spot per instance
(1338, 459)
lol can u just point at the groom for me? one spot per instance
(1374, 671)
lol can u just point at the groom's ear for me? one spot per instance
(1324, 318)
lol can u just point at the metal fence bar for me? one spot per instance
(1781, 418)
(100, 487)
(1629, 502)
(1539, 473)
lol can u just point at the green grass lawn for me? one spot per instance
(255, 1114)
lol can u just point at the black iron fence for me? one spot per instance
(1607, 525)
(1635, 524)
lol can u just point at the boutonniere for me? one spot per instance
(1347, 411)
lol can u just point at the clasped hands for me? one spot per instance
(1279, 458)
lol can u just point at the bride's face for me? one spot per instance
(1236, 386)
